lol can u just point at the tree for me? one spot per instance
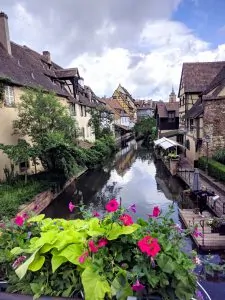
(100, 122)
(40, 114)
(21, 153)
(146, 128)
(48, 125)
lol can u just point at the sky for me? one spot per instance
(140, 44)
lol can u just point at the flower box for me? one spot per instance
(108, 256)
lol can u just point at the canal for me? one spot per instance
(134, 176)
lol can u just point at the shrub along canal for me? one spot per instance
(134, 176)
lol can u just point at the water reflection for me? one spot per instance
(132, 175)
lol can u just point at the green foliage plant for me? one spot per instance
(102, 256)
(215, 168)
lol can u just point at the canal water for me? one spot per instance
(134, 176)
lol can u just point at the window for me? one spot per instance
(81, 111)
(73, 109)
(191, 125)
(171, 116)
(23, 166)
(188, 144)
(9, 96)
(83, 132)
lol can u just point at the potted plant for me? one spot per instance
(105, 256)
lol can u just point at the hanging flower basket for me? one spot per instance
(102, 256)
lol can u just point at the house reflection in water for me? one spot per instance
(171, 186)
(125, 158)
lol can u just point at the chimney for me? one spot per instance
(47, 55)
(4, 33)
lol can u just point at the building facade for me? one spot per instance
(167, 117)
(145, 108)
(201, 102)
(22, 67)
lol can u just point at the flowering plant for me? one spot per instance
(106, 257)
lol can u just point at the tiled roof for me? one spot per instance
(164, 107)
(197, 76)
(218, 83)
(27, 68)
(196, 110)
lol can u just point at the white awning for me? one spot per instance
(166, 143)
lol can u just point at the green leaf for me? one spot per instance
(37, 263)
(166, 263)
(37, 218)
(72, 253)
(57, 261)
(95, 228)
(22, 269)
(95, 287)
(120, 287)
(17, 251)
(184, 291)
(118, 230)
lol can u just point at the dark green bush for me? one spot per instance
(215, 169)
(220, 156)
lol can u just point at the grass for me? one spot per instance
(12, 196)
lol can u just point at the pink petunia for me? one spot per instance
(149, 245)
(96, 214)
(155, 213)
(112, 205)
(92, 247)
(137, 286)
(197, 233)
(126, 219)
(83, 257)
(18, 261)
(102, 243)
(71, 206)
(19, 220)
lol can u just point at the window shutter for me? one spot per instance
(9, 95)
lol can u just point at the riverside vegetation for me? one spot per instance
(53, 141)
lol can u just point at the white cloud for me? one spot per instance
(162, 48)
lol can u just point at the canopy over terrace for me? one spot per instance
(166, 143)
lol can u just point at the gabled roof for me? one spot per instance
(198, 75)
(27, 68)
(196, 110)
(218, 83)
(163, 108)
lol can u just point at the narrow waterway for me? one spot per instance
(134, 176)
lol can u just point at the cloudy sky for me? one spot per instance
(138, 43)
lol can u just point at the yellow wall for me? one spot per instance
(82, 121)
(9, 114)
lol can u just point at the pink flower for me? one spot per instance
(18, 261)
(197, 260)
(132, 208)
(92, 247)
(96, 214)
(35, 207)
(126, 219)
(197, 233)
(137, 286)
(149, 245)
(83, 257)
(71, 206)
(155, 213)
(112, 205)
(19, 220)
(102, 243)
(25, 216)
